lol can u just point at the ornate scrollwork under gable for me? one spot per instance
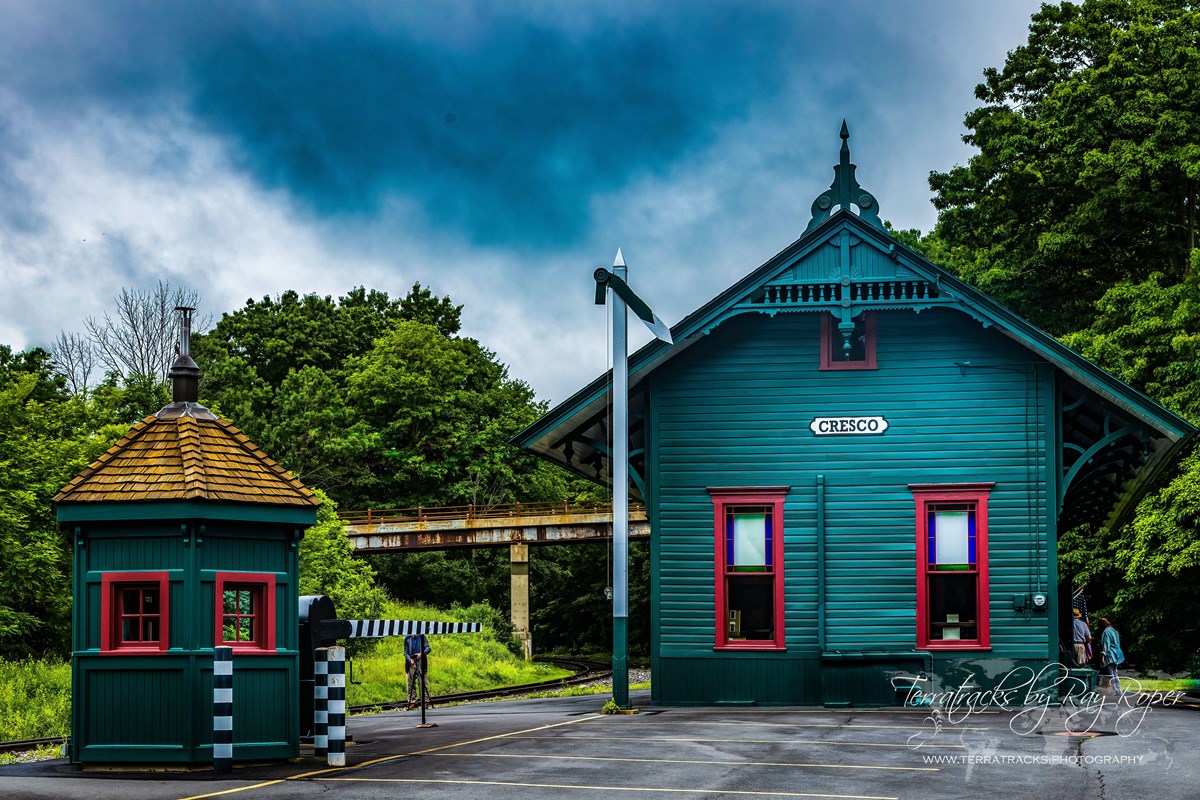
(845, 191)
(1101, 450)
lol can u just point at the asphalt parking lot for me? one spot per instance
(562, 748)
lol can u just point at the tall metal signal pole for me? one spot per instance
(622, 299)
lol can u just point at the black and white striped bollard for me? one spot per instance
(222, 710)
(321, 701)
(337, 707)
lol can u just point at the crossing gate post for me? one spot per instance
(424, 684)
(337, 707)
(321, 701)
(222, 710)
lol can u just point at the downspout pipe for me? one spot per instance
(821, 563)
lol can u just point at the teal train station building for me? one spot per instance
(857, 467)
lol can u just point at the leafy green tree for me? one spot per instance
(377, 401)
(47, 385)
(1148, 334)
(421, 306)
(46, 438)
(1088, 170)
(328, 567)
(435, 414)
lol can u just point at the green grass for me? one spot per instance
(1148, 685)
(462, 662)
(581, 691)
(44, 753)
(35, 699)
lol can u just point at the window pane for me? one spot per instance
(750, 607)
(749, 533)
(149, 601)
(953, 607)
(229, 602)
(229, 629)
(130, 631)
(244, 601)
(857, 352)
(950, 536)
(129, 601)
(246, 629)
(150, 629)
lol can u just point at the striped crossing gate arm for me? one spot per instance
(379, 628)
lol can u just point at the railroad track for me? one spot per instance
(584, 672)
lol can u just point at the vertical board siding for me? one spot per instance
(135, 701)
(260, 553)
(265, 695)
(158, 707)
(734, 410)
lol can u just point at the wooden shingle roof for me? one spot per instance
(186, 458)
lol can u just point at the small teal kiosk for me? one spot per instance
(185, 538)
(857, 467)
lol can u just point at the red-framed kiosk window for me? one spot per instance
(748, 537)
(134, 613)
(245, 610)
(952, 566)
(862, 343)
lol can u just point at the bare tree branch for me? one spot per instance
(75, 359)
(142, 338)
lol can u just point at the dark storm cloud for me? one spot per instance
(18, 211)
(501, 126)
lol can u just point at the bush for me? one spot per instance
(493, 621)
(35, 699)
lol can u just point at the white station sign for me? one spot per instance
(848, 426)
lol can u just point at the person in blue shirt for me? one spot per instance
(1111, 654)
(416, 663)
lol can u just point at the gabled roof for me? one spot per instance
(186, 457)
(574, 435)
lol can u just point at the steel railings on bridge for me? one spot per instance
(422, 528)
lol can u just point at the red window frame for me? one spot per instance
(927, 497)
(111, 586)
(831, 344)
(726, 499)
(263, 586)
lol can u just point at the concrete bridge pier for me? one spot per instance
(518, 555)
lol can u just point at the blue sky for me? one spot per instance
(495, 152)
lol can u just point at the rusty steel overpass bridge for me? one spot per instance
(404, 529)
(517, 525)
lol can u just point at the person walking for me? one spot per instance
(1081, 637)
(1111, 655)
(416, 663)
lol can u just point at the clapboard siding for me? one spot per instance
(734, 410)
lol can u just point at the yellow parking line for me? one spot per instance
(524, 785)
(238, 789)
(525, 757)
(742, 741)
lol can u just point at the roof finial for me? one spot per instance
(844, 191)
(185, 376)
